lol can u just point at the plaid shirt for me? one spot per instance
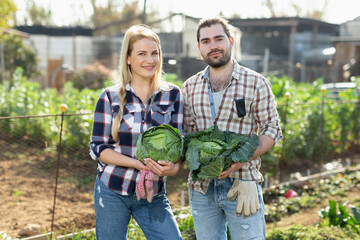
(165, 108)
(259, 113)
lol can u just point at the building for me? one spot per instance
(293, 46)
(60, 45)
(347, 57)
(301, 48)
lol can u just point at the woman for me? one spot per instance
(140, 100)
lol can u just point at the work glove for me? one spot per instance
(247, 197)
(144, 187)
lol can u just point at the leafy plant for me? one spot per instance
(162, 142)
(211, 151)
(341, 217)
(310, 195)
(298, 232)
(19, 55)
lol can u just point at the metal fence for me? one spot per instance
(44, 182)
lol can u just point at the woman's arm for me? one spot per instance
(111, 157)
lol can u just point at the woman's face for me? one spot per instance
(144, 59)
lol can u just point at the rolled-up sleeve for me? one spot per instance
(265, 112)
(101, 132)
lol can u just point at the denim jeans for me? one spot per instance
(213, 211)
(113, 215)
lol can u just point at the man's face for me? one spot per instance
(215, 46)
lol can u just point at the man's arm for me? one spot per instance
(266, 143)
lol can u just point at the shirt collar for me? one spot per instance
(163, 86)
(234, 75)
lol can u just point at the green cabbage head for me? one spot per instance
(162, 142)
(211, 151)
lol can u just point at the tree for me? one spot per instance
(313, 13)
(7, 10)
(270, 5)
(113, 17)
(38, 15)
(298, 7)
(16, 54)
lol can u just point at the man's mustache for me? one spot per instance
(215, 51)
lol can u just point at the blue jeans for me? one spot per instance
(213, 211)
(113, 215)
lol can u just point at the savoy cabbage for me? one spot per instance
(211, 151)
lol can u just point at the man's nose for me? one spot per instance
(213, 45)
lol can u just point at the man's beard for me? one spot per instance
(221, 61)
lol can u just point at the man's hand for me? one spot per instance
(234, 167)
(247, 197)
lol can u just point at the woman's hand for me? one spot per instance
(140, 166)
(162, 168)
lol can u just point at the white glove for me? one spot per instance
(247, 197)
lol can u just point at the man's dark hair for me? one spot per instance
(212, 21)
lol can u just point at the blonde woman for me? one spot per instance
(140, 100)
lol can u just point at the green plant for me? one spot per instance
(92, 76)
(310, 195)
(185, 223)
(298, 232)
(173, 78)
(19, 55)
(334, 216)
(211, 151)
(162, 142)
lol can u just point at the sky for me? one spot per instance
(66, 12)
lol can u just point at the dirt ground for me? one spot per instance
(309, 217)
(27, 186)
(27, 183)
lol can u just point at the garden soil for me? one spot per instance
(27, 186)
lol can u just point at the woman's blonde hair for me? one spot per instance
(133, 34)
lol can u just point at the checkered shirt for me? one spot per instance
(261, 115)
(166, 108)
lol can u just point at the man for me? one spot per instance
(235, 99)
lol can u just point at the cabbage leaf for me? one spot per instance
(211, 151)
(162, 142)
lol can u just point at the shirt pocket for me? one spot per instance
(161, 114)
(127, 121)
(228, 112)
(240, 108)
